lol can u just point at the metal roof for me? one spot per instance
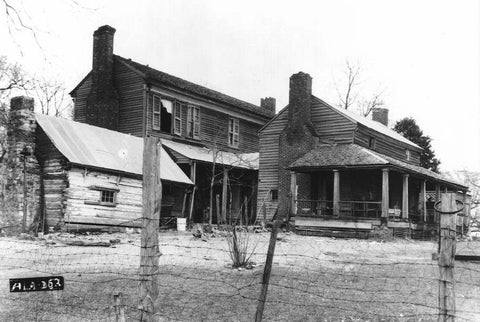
(93, 146)
(239, 160)
(355, 156)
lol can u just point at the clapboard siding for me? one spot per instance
(268, 164)
(81, 96)
(213, 128)
(331, 126)
(386, 145)
(129, 86)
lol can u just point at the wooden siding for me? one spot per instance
(330, 125)
(386, 145)
(268, 164)
(129, 86)
(80, 105)
(128, 209)
(213, 128)
(54, 179)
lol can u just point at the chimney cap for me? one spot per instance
(301, 75)
(106, 29)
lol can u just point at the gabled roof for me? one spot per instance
(96, 147)
(238, 160)
(374, 125)
(355, 156)
(357, 119)
(151, 74)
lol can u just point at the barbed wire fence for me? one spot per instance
(174, 276)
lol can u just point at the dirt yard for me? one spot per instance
(313, 279)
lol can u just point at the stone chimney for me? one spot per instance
(380, 115)
(296, 139)
(268, 103)
(102, 101)
(22, 172)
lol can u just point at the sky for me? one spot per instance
(424, 56)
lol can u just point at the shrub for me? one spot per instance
(240, 247)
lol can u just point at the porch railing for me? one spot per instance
(362, 209)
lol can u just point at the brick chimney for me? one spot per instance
(297, 138)
(268, 103)
(380, 115)
(102, 101)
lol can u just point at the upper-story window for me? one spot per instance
(371, 142)
(407, 155)
(162, 114)
(193, 122)
(233, 132)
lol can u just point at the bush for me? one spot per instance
(240, 247)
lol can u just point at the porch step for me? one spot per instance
(332, 232)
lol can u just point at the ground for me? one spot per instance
(313, 279)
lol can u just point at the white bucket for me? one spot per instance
(181, 224)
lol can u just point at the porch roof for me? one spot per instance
(354, 156)
(203, 154)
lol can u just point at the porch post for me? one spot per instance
(224, 194)
(422, 201)
(437, 198)
(336, 193)
(293, 193)
(385, 193)
(405, 197)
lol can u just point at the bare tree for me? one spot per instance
(350, 96)
(12, 77)
(51, 97)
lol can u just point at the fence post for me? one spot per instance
(119, 309)
(446, 258)
(267, 270)
(149, 252)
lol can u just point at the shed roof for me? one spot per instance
(203, 154)
(355, 156)
(96, 147)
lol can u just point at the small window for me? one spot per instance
(407, 154)
(193, 122)
(274, 195)
(107, 197)
(233, 133)
(371, 142)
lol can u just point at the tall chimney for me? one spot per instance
(380, 115)
(300, 102)
(268, 103)
(102, 101)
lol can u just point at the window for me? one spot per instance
(371, 142)
(162, 114)
(274, 195)
(407, 154)
(233, 133)
(177, 122)
(193, 122)
(105, 197)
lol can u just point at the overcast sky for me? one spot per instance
(424, 55)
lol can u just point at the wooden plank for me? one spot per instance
(385, 193)
(336, 193)
(149, 251)
(317, 222)
(405, 196)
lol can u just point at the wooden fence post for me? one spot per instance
(267, 270)
(149, 252)
(446, 258)
(119, 309)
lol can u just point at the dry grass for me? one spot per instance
(313, 279)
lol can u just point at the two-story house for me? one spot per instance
(333, 171)
(211, 136)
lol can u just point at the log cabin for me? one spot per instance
(208, 134)
(333, 172)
